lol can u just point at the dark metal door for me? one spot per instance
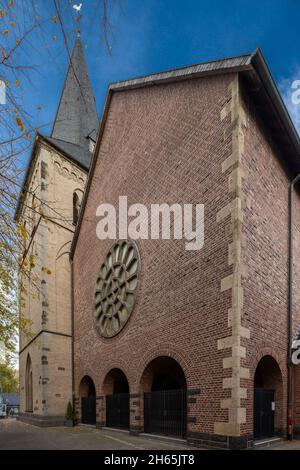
(263, 413)
(165, 412)
(117, 411)
(88, 410)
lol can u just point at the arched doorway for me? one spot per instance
(29, 385)
(116, 389)
(268, 399)
(87, 392)
(164, 386)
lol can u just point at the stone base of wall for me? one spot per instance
(100, 424)
(213, 441)
(135, 429)
(42, 421)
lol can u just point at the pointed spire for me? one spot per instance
(76, 116)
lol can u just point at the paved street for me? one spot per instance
(281, 445)
(17, 435)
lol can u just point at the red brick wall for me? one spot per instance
(266, 256)
(165, 144)
(162, 144)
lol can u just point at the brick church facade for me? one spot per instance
(192, 344)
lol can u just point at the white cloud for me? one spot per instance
(289, 89)
(2, 92)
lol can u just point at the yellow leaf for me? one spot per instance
(12, 24)
(54, 19)
(18, 41)
(53, 38)
(46, 270)
(20, 124)
(17, 83)
(11, 3)
(22, 231)
(5, 32)
(1, 14)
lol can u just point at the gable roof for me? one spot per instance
(260, 85)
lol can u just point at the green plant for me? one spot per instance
(70, 411)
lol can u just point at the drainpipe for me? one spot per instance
(290, 311)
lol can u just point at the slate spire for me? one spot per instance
(76, 117)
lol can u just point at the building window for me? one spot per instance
(76, 208)
(44, 170)
(116, 287)
(29, 386)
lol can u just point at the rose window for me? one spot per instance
(116, 288)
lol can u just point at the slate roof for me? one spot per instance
(76, 117)
(78, 154)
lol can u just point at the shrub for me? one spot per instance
(69, 411)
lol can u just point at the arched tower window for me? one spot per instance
(29, 385)
(76, 208)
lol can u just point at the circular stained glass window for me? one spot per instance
(116, 287)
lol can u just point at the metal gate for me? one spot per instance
(165, 412)
(263, 413)
(88, 410)
(117, 411)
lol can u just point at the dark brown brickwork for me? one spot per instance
(162, 144)
(266, 228)
(166, 144)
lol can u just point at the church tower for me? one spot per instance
(47, 214)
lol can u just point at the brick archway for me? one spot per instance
(163, 394)
(160, 351)
(110, 365)
(115, 381)
(162, 373)
(87, 394)
(268, 419)
(116, 390)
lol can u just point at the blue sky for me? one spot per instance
(153, 35)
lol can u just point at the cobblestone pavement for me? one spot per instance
(17, 435)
